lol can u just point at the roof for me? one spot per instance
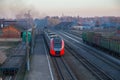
(17, 27)
(64, 25)
(19, 24)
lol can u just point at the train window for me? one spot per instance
(57, 43)
(51, 34)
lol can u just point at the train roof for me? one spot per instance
(57, 39)
(51, 34)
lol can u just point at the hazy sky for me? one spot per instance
(40, 8)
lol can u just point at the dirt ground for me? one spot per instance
(7, 46)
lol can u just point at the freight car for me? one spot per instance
(12, 65)
(111, 44)
(55, 44)
(15, 63)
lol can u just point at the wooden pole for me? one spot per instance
(32, 44)
(27, 45)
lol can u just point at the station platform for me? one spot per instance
(39, 66)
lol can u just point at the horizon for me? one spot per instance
(40, 8)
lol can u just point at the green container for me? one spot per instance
(114, 45)
(90, 36)
(105, 43)
(24, 35)
(108, 43)
(84, 36)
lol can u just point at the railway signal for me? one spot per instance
(26, 37)
(24, 34)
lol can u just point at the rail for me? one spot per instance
(100, 74)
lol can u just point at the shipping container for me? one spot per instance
(108, 43)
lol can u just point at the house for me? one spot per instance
(78, 27)
(1, 23)
(10, 32)
(64, 25)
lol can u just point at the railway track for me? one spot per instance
(98, 55)
(78, 34)
(103, 59)
(60, 67)
(8, 78)
(116, 55)
(106, 63)
(100, 74)
(18, 52)
(64, 72)
(17, 49)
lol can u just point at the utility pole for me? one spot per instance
(32, 44)
(27, 46)
(29, 20)
(27, 15)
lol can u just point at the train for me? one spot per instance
(55, 43)
(111, 44)
(15, 65)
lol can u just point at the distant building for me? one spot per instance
(1, 23)
(118, 30)
(64, 25)
(19, 23)
(10, 32)
(53, 21)
(78, 27)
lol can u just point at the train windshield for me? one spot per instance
(57, 43)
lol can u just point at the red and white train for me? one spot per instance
(55, 43)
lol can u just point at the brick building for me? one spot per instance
(10, 32)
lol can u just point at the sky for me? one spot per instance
(41, 8)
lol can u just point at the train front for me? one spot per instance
(57, 47)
